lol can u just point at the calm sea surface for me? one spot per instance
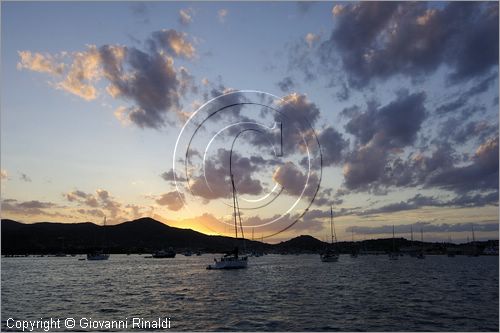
(275, 293)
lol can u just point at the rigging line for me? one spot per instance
(239, 214)
(234, 204)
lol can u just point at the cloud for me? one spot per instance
(222, 14)
(171, 176)
(419, 201)
(480, 174)
(25, 178)
(173, 200)
(337, 9)
(286, 85)
(294, 181)
(427, 227)
(302, 58)
(82, 74)
(297, 113)
(394, 125)
(333, 146)
(173, 42)
(92, 212)
(153, 87)
(380, 133)
(101, 199)
(32, 207)
(148, 78)
(311, 39)
(377, 40)
(185, 16)
(218, 178)
(38, 62)
(461, 132)
(479, 86)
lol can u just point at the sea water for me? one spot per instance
(275, 293)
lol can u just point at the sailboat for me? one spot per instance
(330, 254)
(474, 252)
(450, 251)
(99, 254)
(232, 260)
(354, 251)
(421, 255)
(393, 255)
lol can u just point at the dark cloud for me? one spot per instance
(153, 86)
(301, 58)
(427, 227)
(173, 200)
(170, 176)
(172, 42)
(364, 167)
(147, 78)
(294, 181)
(32, 207)
(286, 84)
(25, 178)
(333, 146)
(218, 179)
(394, 125)
(298, 116)
(459, 132)
(91, 212)
(100, 200)
(480, 174)
(479, 86)
(419, 201)
(381, 132)
(383, 39)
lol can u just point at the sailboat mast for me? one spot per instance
(411, 228)
(393, 241)
(104, 231)
(234, 205)
(422, 238)
(331, 223)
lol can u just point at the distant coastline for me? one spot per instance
(146, 235)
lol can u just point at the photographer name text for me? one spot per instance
(47, 324)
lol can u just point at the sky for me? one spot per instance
(388, 114)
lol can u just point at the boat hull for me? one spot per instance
(101, 256)
(329, 258)
(163, 255)
(232, 263)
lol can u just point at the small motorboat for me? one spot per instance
(164, 254)
(97, 255)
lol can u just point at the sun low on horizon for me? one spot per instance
(371, 114)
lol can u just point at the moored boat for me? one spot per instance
(331, 254)
(160, 254)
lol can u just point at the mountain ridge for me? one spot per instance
(146, 234)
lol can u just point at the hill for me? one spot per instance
(145, 235)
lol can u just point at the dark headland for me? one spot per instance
(146, 235)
